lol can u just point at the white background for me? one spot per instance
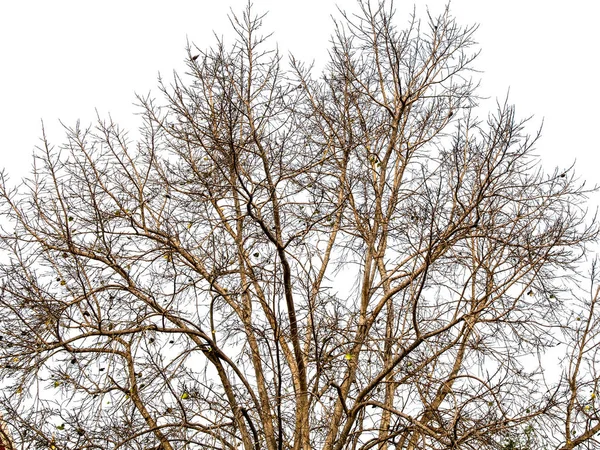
(65, 59)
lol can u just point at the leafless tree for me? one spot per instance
(287, 260)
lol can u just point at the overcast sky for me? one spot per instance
(65, 59)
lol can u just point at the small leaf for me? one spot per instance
(60, 427)
(348, 356)
(185, 396)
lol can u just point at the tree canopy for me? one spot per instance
(297, 260)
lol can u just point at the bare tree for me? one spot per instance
(291, 261)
